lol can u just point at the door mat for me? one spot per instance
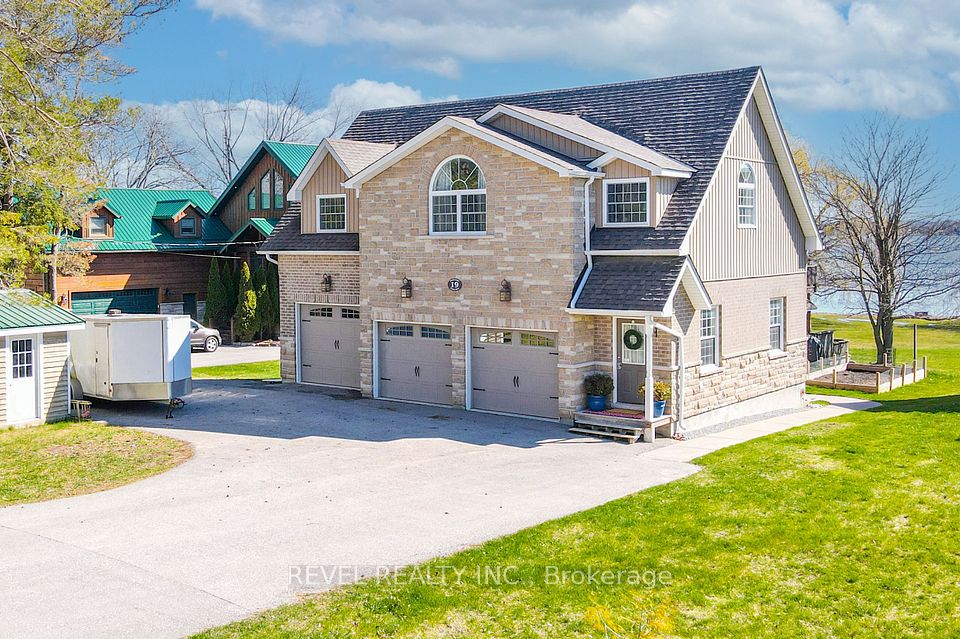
(618, 412)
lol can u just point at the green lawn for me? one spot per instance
(72, 458)
(846, 528)
(253, 370)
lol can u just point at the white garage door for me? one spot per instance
(330, 345)
(415, 363)
(515, 371)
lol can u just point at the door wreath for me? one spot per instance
(633, 339)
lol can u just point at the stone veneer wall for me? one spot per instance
(534, 240)
(300, 277)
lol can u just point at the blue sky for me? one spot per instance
(828, 63)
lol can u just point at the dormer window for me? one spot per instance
(458, 198)
(188, 226)
(97, 225)
(627, 202)
(331, 213)
(746, 197)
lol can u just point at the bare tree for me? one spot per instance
(140, 151)
(218, 125)
(888, 244)
(288, 115)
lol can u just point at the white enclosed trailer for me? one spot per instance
(132, 357)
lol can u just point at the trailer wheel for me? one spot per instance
(211, 344)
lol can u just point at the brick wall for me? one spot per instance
(300, 277)
(534, 240)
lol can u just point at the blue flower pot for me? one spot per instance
(596, 402)
(658, 408)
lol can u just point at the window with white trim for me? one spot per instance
(21, 353)
(746, 197)
(776, 324)
(458, 198)
(188, 226)
(627, 202)
(709, 331)
(331, 212)
(98, 225)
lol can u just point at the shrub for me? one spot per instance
(598, 384)
(661, 391)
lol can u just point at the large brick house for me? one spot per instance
(491, 253)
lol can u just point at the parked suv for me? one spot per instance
(202, 337)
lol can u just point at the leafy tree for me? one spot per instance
(245, 320)
(216, 295)
(51, 53)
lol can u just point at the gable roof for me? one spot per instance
(352, 156)
(292, 156)
(545, 157)
(263, 225)
(169, 209)
(612, 145)
(136, 229)
(688, 118)
(23, 309)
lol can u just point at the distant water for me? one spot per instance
(848, 303)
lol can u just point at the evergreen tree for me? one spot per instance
(216, 296)
(273, 285)
(245, 322)
(230, 278)
(263, 301)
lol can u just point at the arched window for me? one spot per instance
(458, 198)
(278, 194)
(746, 197)
(265, 190)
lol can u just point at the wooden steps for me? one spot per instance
(623, 429)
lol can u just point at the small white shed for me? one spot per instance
(34, 359)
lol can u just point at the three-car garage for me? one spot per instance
(511, 371)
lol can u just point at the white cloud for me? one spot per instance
(868, 54)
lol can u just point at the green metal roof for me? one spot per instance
(293, 157)
(137, 229)
(263, 225)
(169, 209)
(20, 308)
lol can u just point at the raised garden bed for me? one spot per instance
(872, 378)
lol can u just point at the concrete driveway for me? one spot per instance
(230, 354)
(286, 476)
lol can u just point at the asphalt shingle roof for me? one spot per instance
(137, 229)
(286, 236)
(630, 283)
(688, 118)
(358, 155)
(20, 308)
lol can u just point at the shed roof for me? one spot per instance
(20, 308)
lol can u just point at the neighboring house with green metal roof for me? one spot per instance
(34, 358)
(151, 252)
(256, 198)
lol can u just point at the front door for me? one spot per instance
(22, 385)
(630, 361)
(190, 305)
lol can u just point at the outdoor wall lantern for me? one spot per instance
(326, 283)
(406, 289)
(505, 291)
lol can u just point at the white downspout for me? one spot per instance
(681, 377)
(271, 260)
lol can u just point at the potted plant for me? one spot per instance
(598, 386)
(661, 395)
